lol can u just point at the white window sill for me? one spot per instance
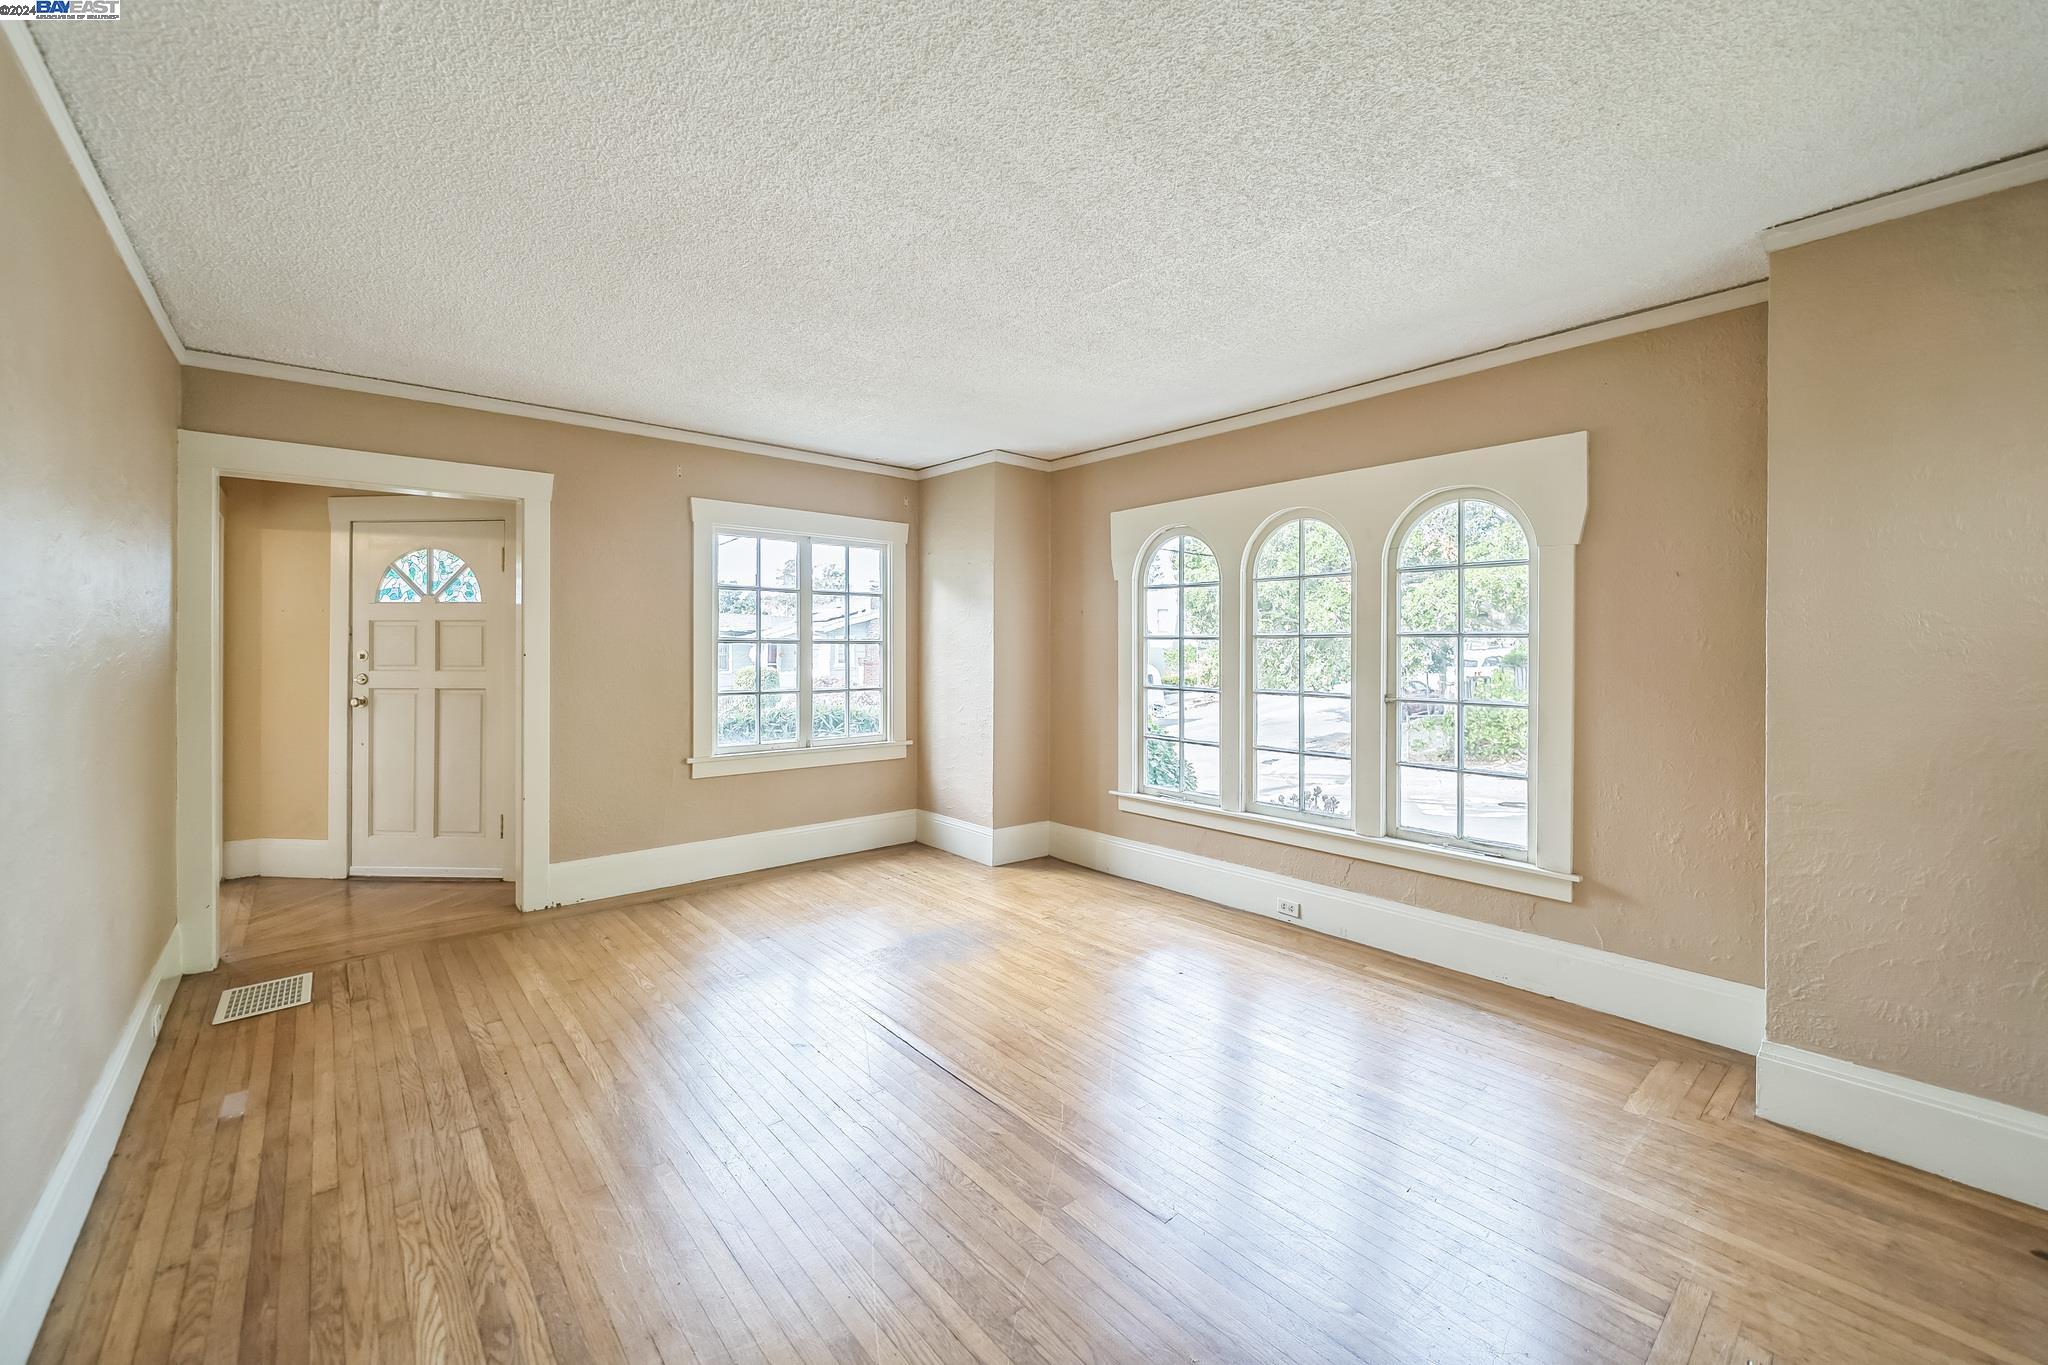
(774, 760)
(1526, 878)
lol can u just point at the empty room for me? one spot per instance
(1029, 683)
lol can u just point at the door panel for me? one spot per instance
(459, 644)
(394, 644)
(430, 662)
(459, 769)
(394, 736)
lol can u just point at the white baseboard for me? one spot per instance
(484, 874)
(282, 858)
(29, 1275)
(979, 843)
(650, 869)
(1021, 843)
(1980, 1142)
(1690, 1003)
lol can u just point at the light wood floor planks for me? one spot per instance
(294, 923)
(899, 1107)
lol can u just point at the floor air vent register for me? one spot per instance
(262, 997)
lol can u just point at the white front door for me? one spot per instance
(430, 699)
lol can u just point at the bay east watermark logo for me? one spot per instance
(60, 9)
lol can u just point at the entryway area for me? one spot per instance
(302, 923)
(368, 715)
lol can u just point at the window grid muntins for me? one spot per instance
(791, 609)
(429, 575)
(1182, 693)
(848, 643)
(1301, 672)
(1462, 672)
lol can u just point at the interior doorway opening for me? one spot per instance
(507, 786)
(368, 702)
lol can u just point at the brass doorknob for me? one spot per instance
(358, 701)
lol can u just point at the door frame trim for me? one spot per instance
(342, 514)
(204, 458)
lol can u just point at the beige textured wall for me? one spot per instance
(955, 749)
(274, 572)
(621, 600)
(1022, 770)
(987, 671)
(1669, 754)
(88, 423)
(1908, 626)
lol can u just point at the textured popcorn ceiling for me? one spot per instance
(910, 232)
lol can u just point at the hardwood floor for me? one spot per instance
(899, 1107)
(295, 923)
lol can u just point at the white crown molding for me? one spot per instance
(1691, 1003)
(976, 461)
(54, 109)
(1969, 184)
(29, 1275)
(31, 58)
(391, 388)
(1980, 1142)
(1932, 194)
(1645, 320)
(67, 132)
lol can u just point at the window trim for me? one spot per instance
(710, 517)
(1440, 860)
(1544, 480)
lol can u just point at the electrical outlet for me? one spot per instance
(156, 1021)
(1291, 909)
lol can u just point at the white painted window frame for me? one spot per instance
(708, 518)
(1542, 479)
(1180, 639)
(1248, 588)
(1391, 700)
(204, 459)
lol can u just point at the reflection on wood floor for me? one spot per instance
(298, 923)
(899, 1107)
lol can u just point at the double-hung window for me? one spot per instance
(799, 639)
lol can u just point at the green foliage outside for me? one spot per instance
(1497, 737)
(1165, 769)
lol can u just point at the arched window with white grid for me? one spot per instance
(1462, 670)
(1301, 721)
(1180, 694)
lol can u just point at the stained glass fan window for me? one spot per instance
(419, 575)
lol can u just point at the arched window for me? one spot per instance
(1461, 667)
(420, 575)
(1301, 671)
(1181, 696)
